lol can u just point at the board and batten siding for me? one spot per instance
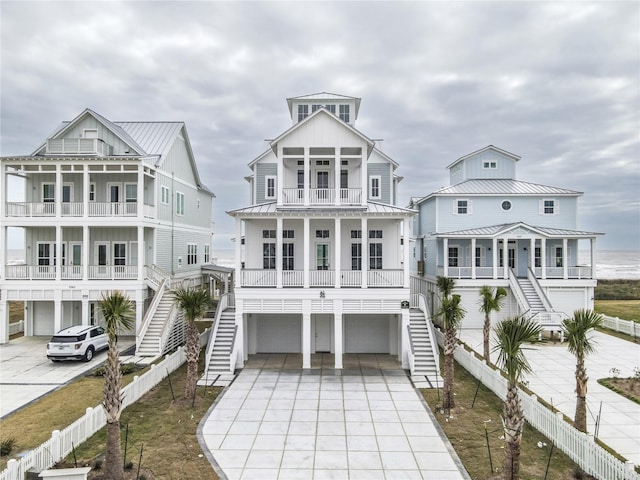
(382, 170)
(90, 123)
(177, 160)
(473, 167)
(264, 170)
(180, 239)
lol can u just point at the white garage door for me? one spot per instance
(43, 318)
(366, 334)
(279, 334)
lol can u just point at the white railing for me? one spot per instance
(258, 278)
(223, 304)
(113, 272)
(322, 196)
(624, 326)
(293, 196)
(385, 278)
(150, 313)
(167, 328)
(113, 209)
(411, 354)
(351, 196)
(30, 209)
(71, 272)
(351, 278)
(321, 278)
(516, 289)
(156, 276)
(16, 327)
(30, 272)
(292, 278)
(422, 302)
(149, 211)
(579, 446)
(72, 209)
(484, 272)
(539, 291)
(63, 441)
(93, 146)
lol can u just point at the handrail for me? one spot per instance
(538, 288)
(223, 304)
(412, 353)
(166, 328)
(156, 275)
(517, 291)
(232, 351)
(422, 301)
(151, 311)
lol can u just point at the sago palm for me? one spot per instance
(491, 300)
(579, 343)
(451, 315)
(194, 303)
(118, 311)
(511, 334)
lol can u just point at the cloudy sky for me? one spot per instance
(557, 83)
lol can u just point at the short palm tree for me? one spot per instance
(445, 285)
(576, 331)
(511, 334)
(118, 311)
(491, 300)
(194, 303)
(451, 314)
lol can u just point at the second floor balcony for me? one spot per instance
(579, 272)
(322, 196)
(77, 146)
(322, 278)
(73, 209)
(71, 272)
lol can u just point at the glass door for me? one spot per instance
(322, 256)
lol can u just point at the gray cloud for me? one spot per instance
(555, 82)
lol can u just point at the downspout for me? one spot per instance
(173, 208)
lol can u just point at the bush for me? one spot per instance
(125, 369)
(7, 445)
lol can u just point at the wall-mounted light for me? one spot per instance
(322, 294)
(525, 249)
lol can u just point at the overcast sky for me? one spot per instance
(557, 83)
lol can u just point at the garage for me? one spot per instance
(279, 334)
(43, 318)
(366, 334)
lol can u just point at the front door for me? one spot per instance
(322, 185)
(102, 259)
(322, 256)
(323, 333)
(511, 257)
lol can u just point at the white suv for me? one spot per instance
(80, 343)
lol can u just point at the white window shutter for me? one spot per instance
(556, 207)
(455, 206)
(469, 207)
(541, 207)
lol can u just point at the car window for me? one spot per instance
(67, 338)
(99, 331)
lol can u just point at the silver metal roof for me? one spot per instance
(153, 137)
(502, 187)
(488, 147)
(496, 230)
(370, 209)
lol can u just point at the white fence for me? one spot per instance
(16, 327)
(62, 442)
(624, 326)
(578, 446)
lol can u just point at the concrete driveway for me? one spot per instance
(26, 374)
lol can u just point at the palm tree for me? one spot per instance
(511, 334)
(451, 314)
(576, 330)
(194, 303)
(490, 301)
(118, 311)
(445, 285)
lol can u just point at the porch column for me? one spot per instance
(543, 257)
(84, 313)
(3, 252)
(138, 298)
(405, 347)
(473, 258)
(58, 195)
(306, 250)
(280, 176)
(365, 252)
(238, 278)
(505, 258)
(532, 256)
(307, 178)
(445, 257)
(406, 251)
(592, 241)
(279, 251)
(140, 192)
(57, 311)
(336, 176)
(85, 190)
(306, 340)
(337, 316)
(140, 253)
(494, 258)
(338, 252)
(4, 320)
(57, 258)
(565, 257)
(86, 246)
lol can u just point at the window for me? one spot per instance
(192, 254)
(549, 207)
(269, 256)
(119, 253)
(453, 257)
(462, 207)
(207, 253)
(331, 108)
(375, 233)
(179, 203)
(300, 179)
(268, 234)
(130, 192)
(270, 187)
(491, 165)
(537, 257)
(506, 205)
(92, 192)
(374, 187)
(67, 193)
(303, 112)
(44, 254)
(288, 234)
(322, 233)
(356, 256)
(48, 192)
(479, 260)
(165, 195)
(344, 113)
(356, 233)
(558, 252)
(375, 256)
(315, 107)
(287, 256)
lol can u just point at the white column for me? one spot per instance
(57, 311)
(532, 255)
(445, 255)
(306, 251)
(58, 255)
(140, 196)
(365, 252)
(593, 257)
(85, 307)
(241, 347)
(4, 320)
(505, 258)
(307, 176)
(338, 252)
(140, 253)
(494, 258)
(86, 246)
(279, 252)
(85, 190)
(58, 188)
(565, 258)
(3, 251)
(336, 177)
(406, 252)
(139, 311)
(543, 257)
(337, 330)
(306, 339)
(473, 258)
(280, 177)
(364, 181)
(238, 280)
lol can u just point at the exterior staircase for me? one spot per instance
(424, 356)
(533, 299)
(219, 361)
(150, 343)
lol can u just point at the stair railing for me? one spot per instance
(412, 353)
(150, 313)
(167, 327)
(539, 291)
(156, 275)
(516, 289)
(432, 335)
(232, 352)
(223, 304)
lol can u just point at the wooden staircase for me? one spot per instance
(219, 360)
(533, 299)
(424, 356)
(150, 344)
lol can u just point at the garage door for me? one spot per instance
(366, 334)
(43, 318)
(279, 334)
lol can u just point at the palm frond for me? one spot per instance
(194, 303)
(511, 334)
(576, 331)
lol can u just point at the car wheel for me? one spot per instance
(88, 355)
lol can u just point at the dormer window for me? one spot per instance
(331, 108)
(303, 112)
(315, 107)
(344, 113)
(490, 165)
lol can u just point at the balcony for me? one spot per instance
(322, 196)
(322, 278)
(77, 146)
(71, 272)
(74, 209)
(574, 273)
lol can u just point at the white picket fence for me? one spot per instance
(578, 446)
(624, 326)
(62, 442)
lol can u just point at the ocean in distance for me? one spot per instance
(610, 264)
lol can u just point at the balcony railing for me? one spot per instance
(113, 209)
(75, 209)
(321, 278)
(576, 272)
(322, 196)
(77, 146)
(24, 209)
(71, 272)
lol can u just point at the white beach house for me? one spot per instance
(488, 228)
(103, 205)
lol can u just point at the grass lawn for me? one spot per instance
(624, 309)
(466, 431)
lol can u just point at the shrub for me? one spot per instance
(6, 446)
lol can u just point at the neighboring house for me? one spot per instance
(105, 206)
(319, 260)
(487, 228)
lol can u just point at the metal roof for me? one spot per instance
(324, 96)
(502, 187)
(488, 147)
(153, 137)
(370, 209)
(497, 230)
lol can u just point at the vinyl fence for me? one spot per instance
(62, 442)
(16, 327)
(625, 326)
(578, 446)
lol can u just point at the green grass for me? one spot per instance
(618, 290)
(624, 309)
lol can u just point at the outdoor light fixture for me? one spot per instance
(321, 293)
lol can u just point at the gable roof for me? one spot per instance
(323, 96)
(498, 230)
(485, 149)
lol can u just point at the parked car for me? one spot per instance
(80, 342)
